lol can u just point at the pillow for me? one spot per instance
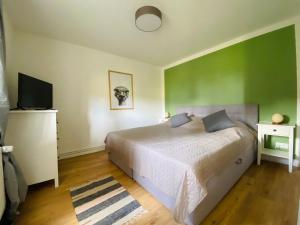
(196, 123)
(179, 119)
(217, 121)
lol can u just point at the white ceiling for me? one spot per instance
(188, 25)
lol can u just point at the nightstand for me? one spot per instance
(284, 130)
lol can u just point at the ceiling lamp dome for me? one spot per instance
(148, 18)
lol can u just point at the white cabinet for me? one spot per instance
(33, 135)
(284, 130)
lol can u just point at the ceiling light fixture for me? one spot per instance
(148, 18)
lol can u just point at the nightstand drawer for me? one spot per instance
(276, 130)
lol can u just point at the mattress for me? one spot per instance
(180, 161)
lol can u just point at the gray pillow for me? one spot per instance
(217, 121)
(179, 119)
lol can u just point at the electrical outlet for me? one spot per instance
(281, 146)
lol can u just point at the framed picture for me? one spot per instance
(120, 90)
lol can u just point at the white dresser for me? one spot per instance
(33, 135)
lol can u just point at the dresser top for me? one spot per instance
(34, 111)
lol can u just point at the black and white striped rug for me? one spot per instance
(104, 202)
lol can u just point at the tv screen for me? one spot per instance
(34, 93)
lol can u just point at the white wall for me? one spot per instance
(80, 79)
(9, 33)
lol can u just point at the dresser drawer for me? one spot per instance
(276, 130)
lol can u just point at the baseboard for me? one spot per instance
(296, 162)
(80, 152)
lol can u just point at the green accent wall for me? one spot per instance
(260, 70)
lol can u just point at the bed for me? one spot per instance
(185, 168)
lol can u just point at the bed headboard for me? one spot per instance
(247, 113)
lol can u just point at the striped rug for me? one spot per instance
(103, 202)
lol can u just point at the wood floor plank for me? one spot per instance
(265, 195)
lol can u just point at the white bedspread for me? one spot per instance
(179, 161)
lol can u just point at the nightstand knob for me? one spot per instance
(274, 130)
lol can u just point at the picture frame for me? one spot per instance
(120, 90)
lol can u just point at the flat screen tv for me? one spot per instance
(34, 93)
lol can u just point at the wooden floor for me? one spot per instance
(264, 195)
